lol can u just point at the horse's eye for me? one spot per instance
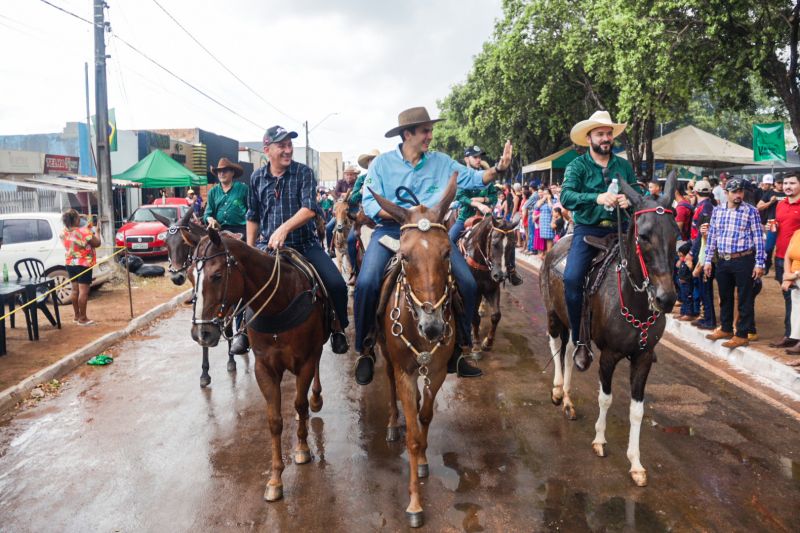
(216, 276)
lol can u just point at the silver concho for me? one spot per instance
(424, 358)
(424, 224)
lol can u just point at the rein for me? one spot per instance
(630, 318)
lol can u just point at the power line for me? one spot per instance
(159, 65)
(229, 71)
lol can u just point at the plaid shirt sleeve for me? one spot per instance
(711, 238)
(758, 236)
(307, 187)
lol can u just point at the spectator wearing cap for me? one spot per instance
(703, 282)
(787, 222)
(766, 207)
(282, 211)
(720, 188)
(736, 236)
(472, 200)
(684, 275)
(195, 201)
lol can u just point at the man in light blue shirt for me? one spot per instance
(426, 174)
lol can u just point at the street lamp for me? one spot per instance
(308, 147)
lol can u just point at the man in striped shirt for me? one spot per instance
(736, 236)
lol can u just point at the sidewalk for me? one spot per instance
(769, 365)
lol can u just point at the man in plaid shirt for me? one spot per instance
(282, 207)
(736, 235)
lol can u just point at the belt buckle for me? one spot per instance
(726, 257)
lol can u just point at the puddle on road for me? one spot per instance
(471, 522)
(455, 477)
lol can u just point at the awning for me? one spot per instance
(160, 170)
(66, 184)
(558, 160)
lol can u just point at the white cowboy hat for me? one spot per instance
(600, 119)
(365, 159)
(352, 168)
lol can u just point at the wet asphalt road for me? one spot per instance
(139, 446)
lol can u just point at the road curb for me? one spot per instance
(10, 396)
(777, 375)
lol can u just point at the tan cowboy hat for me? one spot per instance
(365, 159)
(227, 163)
(599, 119)
(410, 118)
(352, 168)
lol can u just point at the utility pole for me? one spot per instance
(104, 194)
(308, 148)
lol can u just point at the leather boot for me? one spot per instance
(514, 278)
(240, 344)
(785, 342)
(719, 334)
(582, 356)
(339, 342)
(735, 342)
(459, 366)
(365, 368)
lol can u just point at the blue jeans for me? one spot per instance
(531, 229)
(329, 233)
(456, 231)
(331, 278)
(368, 286)
(579, 259)
(769, 246)
(705, 291)
(351, 247)
(687, 298)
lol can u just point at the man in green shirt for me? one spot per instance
(226, 210)
(585, 193)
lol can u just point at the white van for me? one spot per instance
(37, 235)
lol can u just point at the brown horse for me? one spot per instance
(361, 221)
(489, 249)
(340, 232)
(287, 332)
(416, 328)
(627, 312)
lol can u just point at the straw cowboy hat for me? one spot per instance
(600, 119)
(352, 168)
(365, 159)
(227, 163)
(410, 118)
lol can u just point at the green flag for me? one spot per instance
(768, 142)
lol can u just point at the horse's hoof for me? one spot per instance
(486, 346)
(231, 366)
(423, 470)
(392, 434)
(316, 404)
(599, 449)
(205, 381)
(569, 412)
(556, 399)
(302, 457)
(640, 478)
(415, 519)
(273, 493)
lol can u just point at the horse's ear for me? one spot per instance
(189, 237)
(447, 198)
(164, 220)
(399, 214)
(214, 236)
(187, 216)
(669, 190)
(630, 192)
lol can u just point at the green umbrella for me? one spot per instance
(160, 170)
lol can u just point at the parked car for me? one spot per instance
(38, 235)
(146, 236)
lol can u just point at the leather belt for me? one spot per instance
(735, 255)
(607, 224)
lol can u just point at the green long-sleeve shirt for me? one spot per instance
(464, 198)
(583, 183)
(355, 196)
(227, 208)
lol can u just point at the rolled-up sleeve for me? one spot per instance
(468, 178)
(253, 200)
(372, 183)
(307, 186)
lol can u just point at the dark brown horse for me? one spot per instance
(288, 332)
(627, 312)
(416, 328)
(489, 249)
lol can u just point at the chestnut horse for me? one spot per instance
(627, 312)
(228, 271)
(340, 232)
(416, 328)
(489, 249)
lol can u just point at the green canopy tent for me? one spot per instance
(558, 161)
(159, 170)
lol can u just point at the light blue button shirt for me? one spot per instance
(428, 179)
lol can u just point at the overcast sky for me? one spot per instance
(363, 59)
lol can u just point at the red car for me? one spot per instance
(143, 234)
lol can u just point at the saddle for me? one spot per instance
(301, 306)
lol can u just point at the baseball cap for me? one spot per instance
(473, 151)
(277, 134)
(767, 178)
(702, 186)
(734, 184)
